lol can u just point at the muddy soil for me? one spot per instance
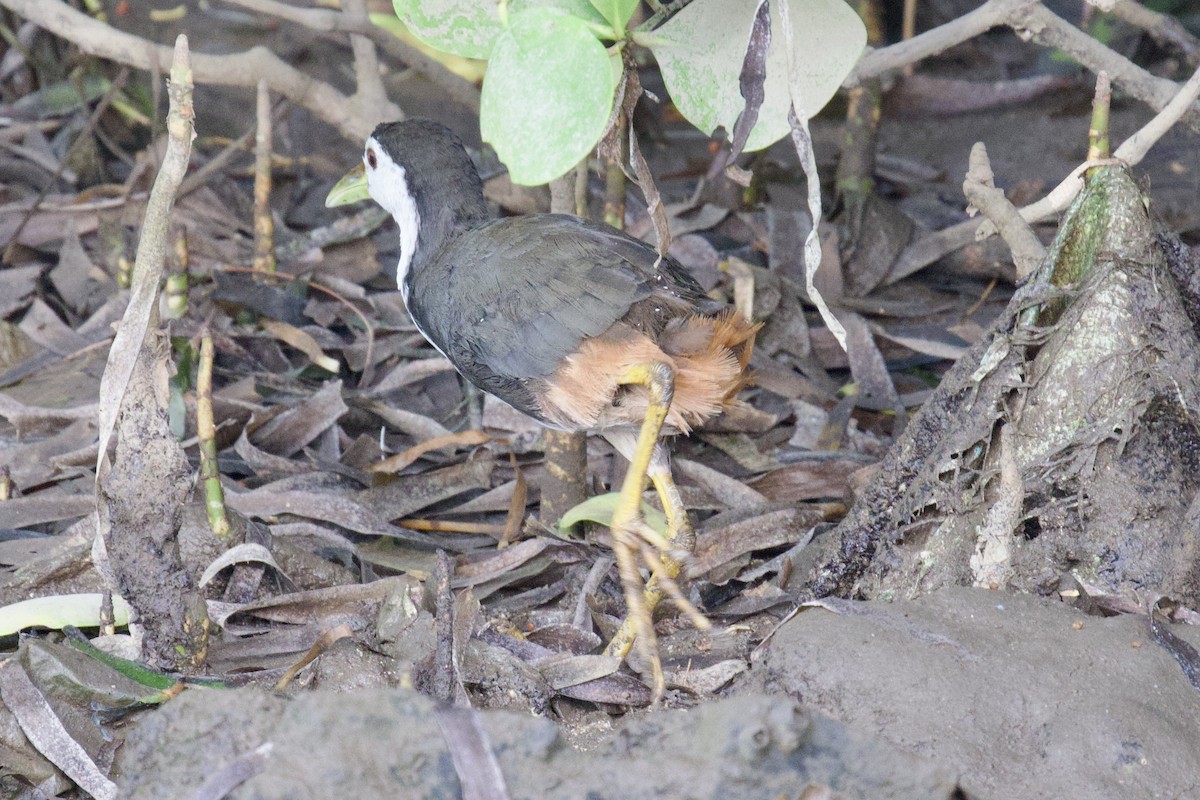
(902, 682)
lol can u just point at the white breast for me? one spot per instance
(388, 186)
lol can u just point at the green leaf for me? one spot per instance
(547, 94)
(615, 12)
(81, 683)
(583, 9)
(466, 28)
(59, 611)
(701, 58)
(470, 28)
(469, 69)
(599, 509)
(137, 672)
(64, 97)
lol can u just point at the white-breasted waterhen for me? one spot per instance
(576, 324)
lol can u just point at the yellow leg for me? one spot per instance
(679, 529)
(681, 541)
(648, 458)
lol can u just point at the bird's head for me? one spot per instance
(421, 174)
(414, 162)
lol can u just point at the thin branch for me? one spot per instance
(456, 88)
(1131, 151)
(92, 126)
(233, 69)
(1032, 22)
(980, 188)
(369, 94)
(990, 15)
(1134, 149)
(1041, 26)
(1162, 28)
(151, 250)
(201, 176)
(264, 223)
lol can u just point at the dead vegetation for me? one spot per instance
(383, 526)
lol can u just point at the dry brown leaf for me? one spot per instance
(564, 671)
(398, 462)
(356, 604)
(404, 495)
(408, 373)
(778, 528)
(36, 462)
(867, 366)
(328, 507)
(47, 733)
(45, 227)
(497, 562)
(495, 500)
(51, 505)
(325, 641)
(706, 680)
(17, 285)
(415, 425)
(247, 552)
(730, 491)
(43, 326)
(516, 509)
(265, 463)
(813, 479)
(78, 281)
(933, 340)
(287, 433)
(302, 341)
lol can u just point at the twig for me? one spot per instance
(206, 432)
(443, 678)
(1038, 24)
(1131, 151)
(152, 247)
(369, 94)
(1134, 149)
(232, 69)
(932, 42)
(264, 223)
(936, 245)
(452, 526)
(1162, 28)
(1099, 143)
(980, 188)
(456, 88)
(1032, 22)
(908, 27)
(582, 617)
(202, 175)
(117, 84)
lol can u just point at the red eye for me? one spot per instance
(371, 157)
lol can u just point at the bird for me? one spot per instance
(575, 323)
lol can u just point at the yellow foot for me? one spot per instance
(634, 544)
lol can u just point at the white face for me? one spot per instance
(387, 184)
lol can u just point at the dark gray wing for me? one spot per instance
(517, 296)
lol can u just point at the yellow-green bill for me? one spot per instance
(350, 189)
